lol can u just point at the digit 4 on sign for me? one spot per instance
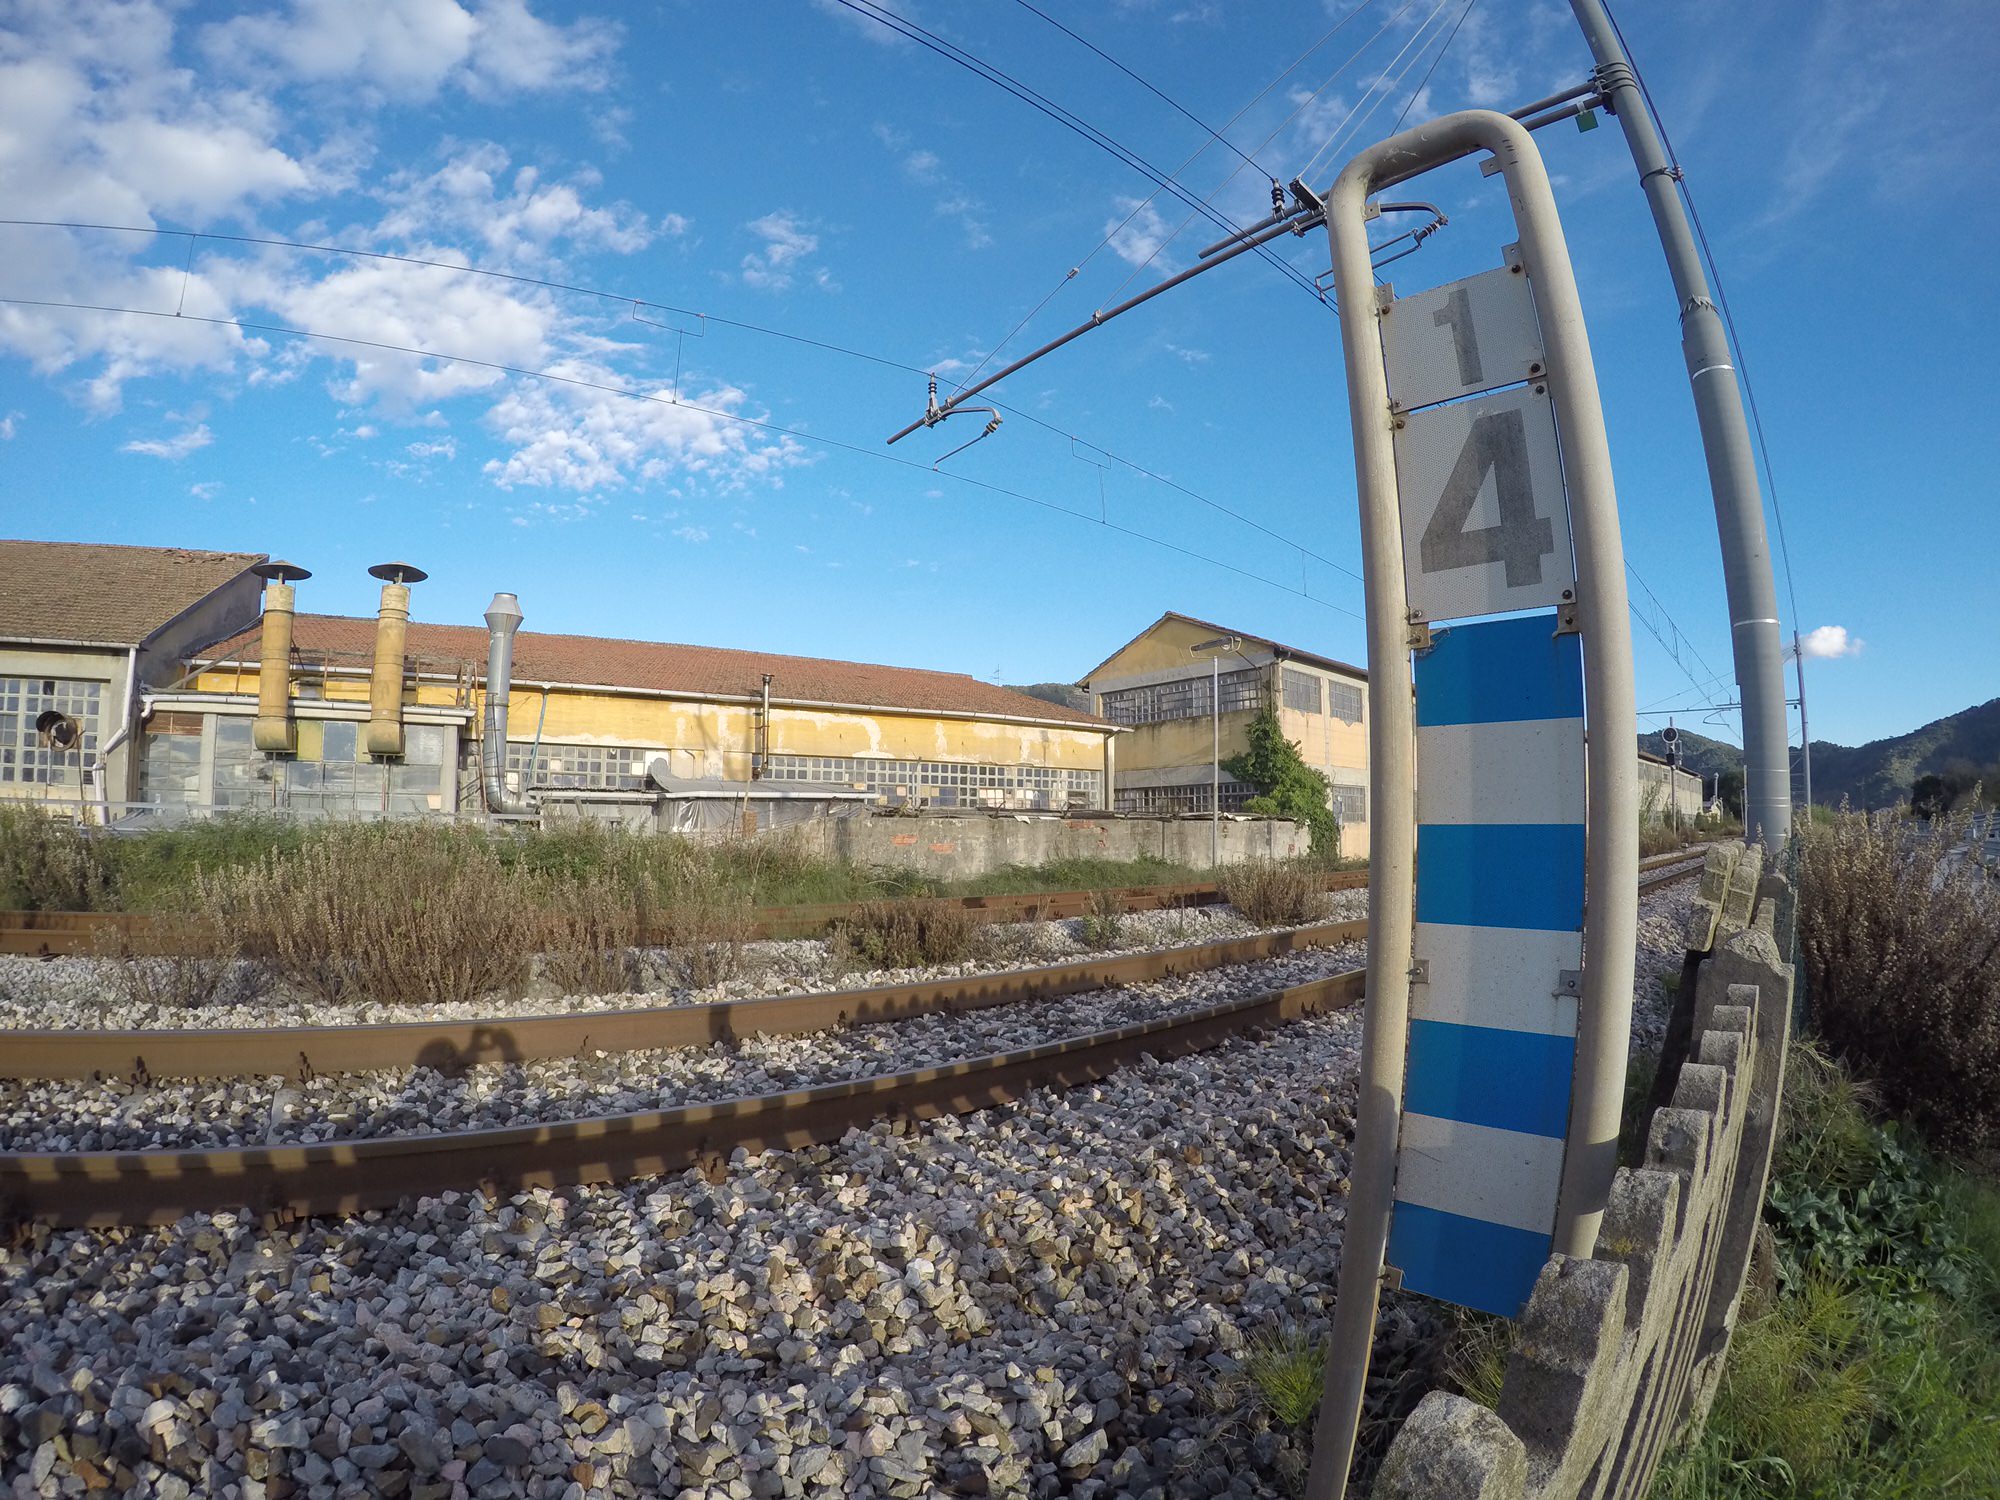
(1484, 521)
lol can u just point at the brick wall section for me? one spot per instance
(1616, 1355)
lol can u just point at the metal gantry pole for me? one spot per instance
(1611, 873)
(1755, 636)
(1215, 772)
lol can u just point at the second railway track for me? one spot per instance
(346, 1176)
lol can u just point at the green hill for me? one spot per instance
(1068, 695)
(1881, 772)
(1962, 747)
(1699, 754)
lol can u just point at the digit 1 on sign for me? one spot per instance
(1456, 315)
(1496, 444)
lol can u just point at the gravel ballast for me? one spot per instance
(116, 1115)
(1048, 1298)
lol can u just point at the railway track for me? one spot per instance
(98, 1189)
(305, 1052)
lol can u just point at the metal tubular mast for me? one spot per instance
(1755, 636)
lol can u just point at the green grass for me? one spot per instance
(49, 865)
(1284, 1372)
(1873, 1370)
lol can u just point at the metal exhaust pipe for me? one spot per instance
(275, 732)
(503, 618)
(385, 688)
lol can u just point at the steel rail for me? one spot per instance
(104, 1189)
(51, 934)
(310, 1051)
(107, 1189)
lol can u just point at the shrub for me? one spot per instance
(47, 863)
(704, 926)
(907, 935)
(384, 912)
(588, 932)
(1902, 953)
(1274, 893)
(1103, 926)
(1286, 786)
(189, 963)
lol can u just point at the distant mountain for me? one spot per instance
(1064, 694)
(1880, 773)
(1699, 754)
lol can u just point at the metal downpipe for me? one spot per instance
(503, 618)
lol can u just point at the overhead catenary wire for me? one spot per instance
(1139, 207)
(1357, 116)
(953, 53)
(627, 300)
(1166, 98)
(617, 389)
(1302, 106)
(1425, 82)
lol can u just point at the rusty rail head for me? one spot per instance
(305, 1051)
(101, 1189)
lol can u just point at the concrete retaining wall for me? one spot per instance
(1618, 1355)
(958, 847)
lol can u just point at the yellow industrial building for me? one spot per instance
(326, 715)
(1182, 683)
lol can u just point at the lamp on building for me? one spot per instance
(1213, 650)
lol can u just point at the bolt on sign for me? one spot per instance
(1500, 792)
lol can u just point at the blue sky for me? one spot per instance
(730, 175)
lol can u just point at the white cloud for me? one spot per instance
(412, 48)
(1137, 233)
(1159, 403)
(787, 246)
(1188, 356)
(424, 307)
(1829, 643)
(8, 426)
(519, 215)
(444, 447)
(176, 447)
(208, 489)
(691, 533)
(578, 438)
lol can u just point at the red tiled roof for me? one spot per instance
(104, 595)
(650, 666)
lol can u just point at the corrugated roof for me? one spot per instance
(1277, 648)
(651, 666)
(104, 595)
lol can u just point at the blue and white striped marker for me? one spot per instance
(1499, 938)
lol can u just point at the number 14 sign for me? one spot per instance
(1485, 526)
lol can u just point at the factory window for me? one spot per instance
(1183, 698)
(1350, 805)
(23, 756)
(1345, 702)
(1190, 797)
(170, 767)
(906, 783)
(1302, 693)
(617, 768)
